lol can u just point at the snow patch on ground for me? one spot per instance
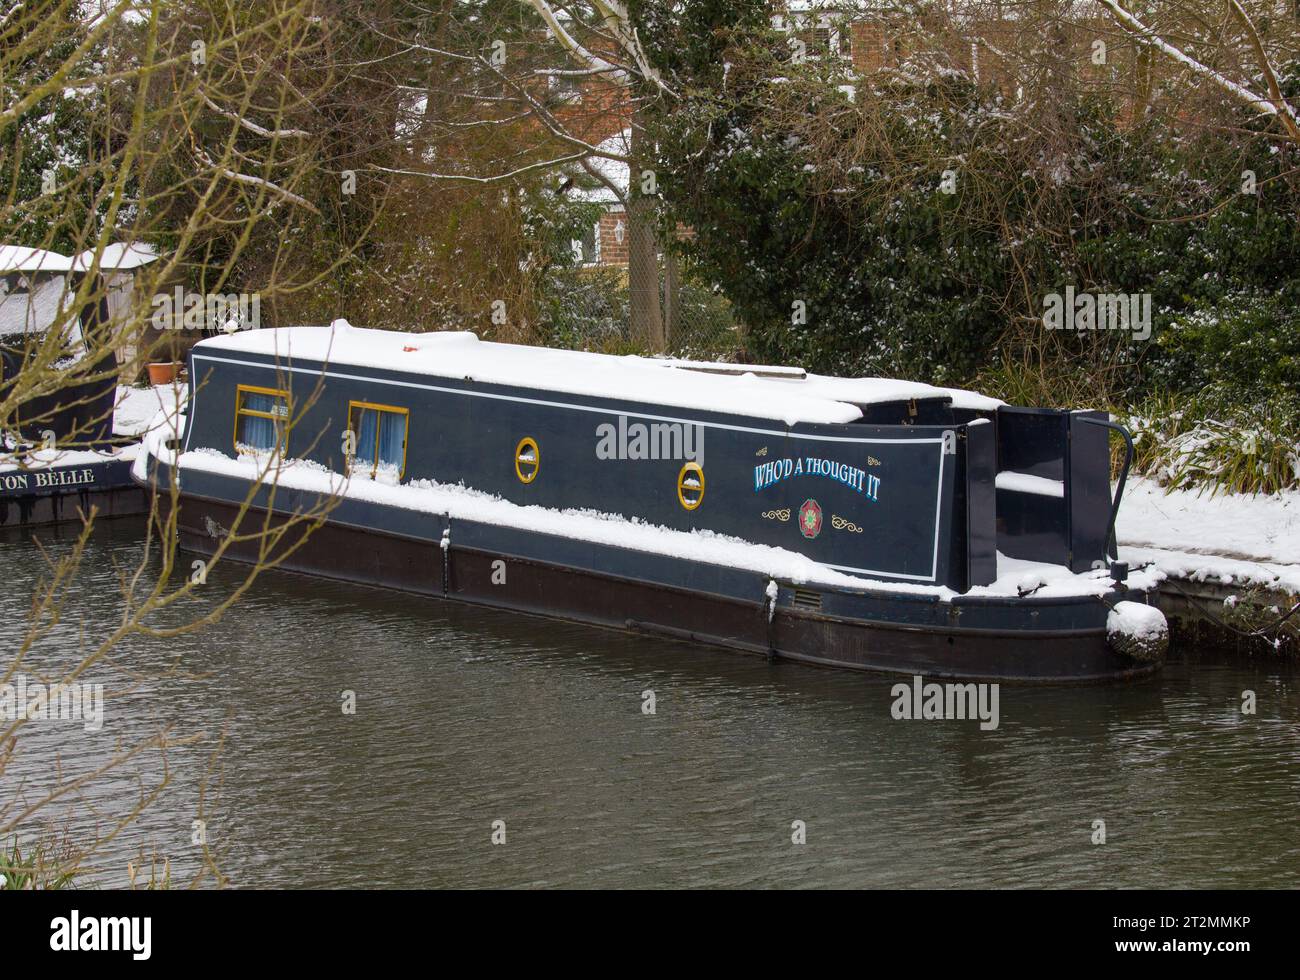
(1229, 539)
(136, 409)
(1243, 526)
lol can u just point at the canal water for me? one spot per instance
(466, 717)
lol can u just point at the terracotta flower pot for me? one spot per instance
(163, 372)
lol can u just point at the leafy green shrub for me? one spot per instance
(1244, 344)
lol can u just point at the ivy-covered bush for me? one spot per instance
(821, 277)
(1246, 345)
(915, 226)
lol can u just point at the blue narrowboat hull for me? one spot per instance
(997, 638)
(54, 494)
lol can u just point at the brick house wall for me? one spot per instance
(613, 237)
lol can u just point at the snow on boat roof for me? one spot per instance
(855, 391)
(118, 256)
(19, 258)
(789, 397)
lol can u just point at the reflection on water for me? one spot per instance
(466, 716)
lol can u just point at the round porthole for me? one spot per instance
(528, 460)
(690, 486)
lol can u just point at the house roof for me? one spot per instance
(615, 171)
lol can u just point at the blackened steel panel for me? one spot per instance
(981, 505)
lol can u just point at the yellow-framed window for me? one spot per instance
(261, 419)
(379, 435)
(528, 459)
(690, 486)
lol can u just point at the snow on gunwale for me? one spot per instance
(461, 355)
(1016, 577)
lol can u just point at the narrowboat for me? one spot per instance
(864, 523)
(59, 456)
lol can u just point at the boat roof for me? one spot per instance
(786, 394)
(19, 258)
(117, 256)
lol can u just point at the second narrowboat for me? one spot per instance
(59, 455)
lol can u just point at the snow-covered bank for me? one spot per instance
(1215, 570)
(1229, 539)
(1241, 526)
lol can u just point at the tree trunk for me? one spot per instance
(672, 296)
(647, 324)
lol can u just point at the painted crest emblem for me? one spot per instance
(810, 518)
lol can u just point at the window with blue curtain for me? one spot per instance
(381, 440)
(260, 420)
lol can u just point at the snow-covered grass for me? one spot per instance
(1189, 446)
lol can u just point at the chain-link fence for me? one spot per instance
(592, 309)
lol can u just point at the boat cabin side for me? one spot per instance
(34, 305)
(908, 493)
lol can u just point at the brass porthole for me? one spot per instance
(690, 485)
(528, 460)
